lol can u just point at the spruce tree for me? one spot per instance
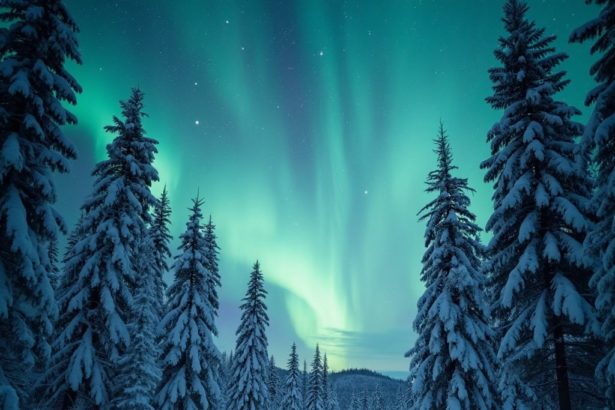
(212, 251)
(325, 382)
(599, 142)
(355, 402)
(161, 237)
(329, 395)
(452, 363)
(315, 386)
(538, 278)
(402, 401)
(248, 386)
(377, 400)
(36, 40)
(292, 395)
(364, 401)
(273, 385)
(304, 385)
(139, 371)
(190, 359)
(95, 305)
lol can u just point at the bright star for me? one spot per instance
(197, 122)
(322, 53)
(226, 21)
(365, 192)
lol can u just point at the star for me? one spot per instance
(322, 53)
(227, 21)
(365, 192)
(196, 83)
(197, 122)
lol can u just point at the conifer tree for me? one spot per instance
(325, 382)
(315, 384)
(139, 371)
(292, 395)
(212, 251)
(599, 141)
(95, 304)
(402, 401)
(453, 359)
(36, 40)
(364, 401)
(190, 359)
(304, 385)
(355, 402)
(248, 386)
(273, 385)
(329, 395)
(537, 273)
(161, 238)
(377, 400)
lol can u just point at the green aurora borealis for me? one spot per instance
(307, 126)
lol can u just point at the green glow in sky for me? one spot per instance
(308, 127)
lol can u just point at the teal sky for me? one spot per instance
(307, 126)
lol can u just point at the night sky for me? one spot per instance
(307, 126)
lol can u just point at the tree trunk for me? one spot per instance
(561, 367)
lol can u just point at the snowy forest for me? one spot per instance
(523, 320)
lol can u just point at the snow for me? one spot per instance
(188, 326)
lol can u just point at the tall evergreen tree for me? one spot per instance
(36, 39)
(273, 385)
(539, 222)
(325, 382)
(304, 385)
(190, 359)
(599, 139)
(329, 395)
(95, 305)
(315, 386)
(453, 359)
(292, 395)
(212, 251)
(161, 237)
(139, 369)
(248, 387)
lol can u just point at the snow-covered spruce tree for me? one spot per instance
(364, 401)
(325, 382)
(539, 282)
(355, 402)
(402, 398)
(36, 39)
(329, 395)
(139, 369)
(248, 385)
(292, 393)
(273, 385)
(161, 237)
(212, 250)
(95, 305)
(191, 361)
(452, 364)
(304, 385)
(315, 386)
(599, 140)
(377, 399)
